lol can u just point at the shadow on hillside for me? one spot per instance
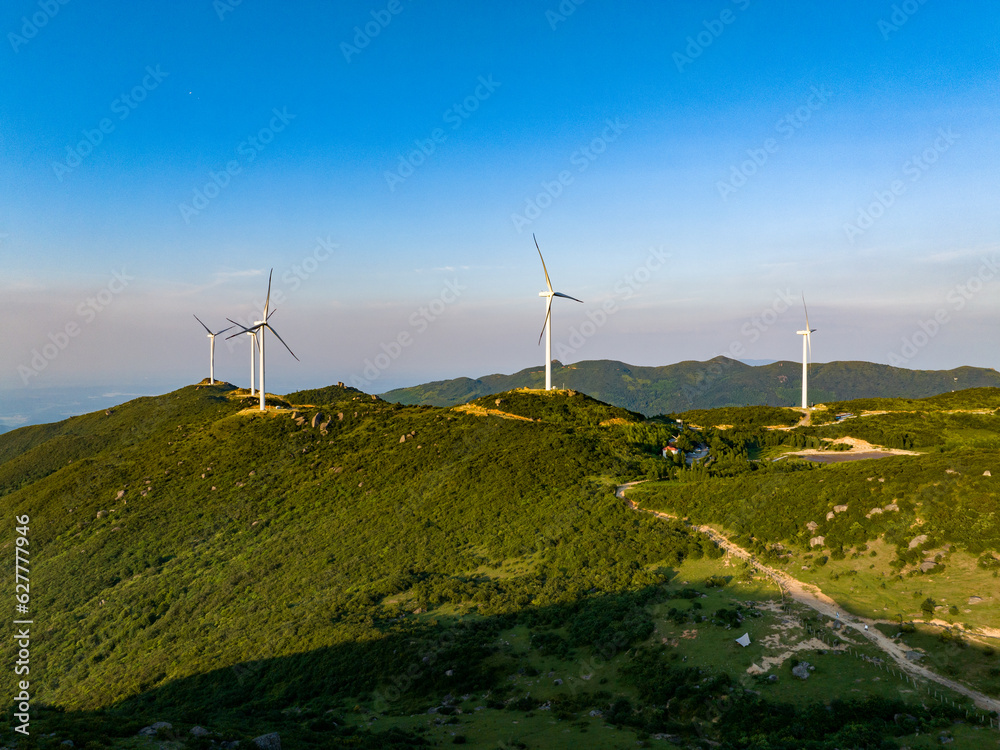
(402, 665)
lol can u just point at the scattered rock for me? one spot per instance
(102, 513)
(403, 439)
(817, 541)
(317, 419)
(927, 565)
(987, 473)
(801, 670)
(874, 512)
(975, 599)
(67, 743)
(918, 540)
(340, 416)
(830, 515)
(890, 507)
(120, 495)
(772, 678)
(914, 655)
(812, 526)
(199, 731)
(950, 471)
(152, 729)
(839, 508)
(268, 741)
(557, 681)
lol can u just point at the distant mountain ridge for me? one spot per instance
(707, 385)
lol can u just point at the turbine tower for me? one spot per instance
(547, 325)
(806, 353)
(258, 331)
(211, 349)
(253, 358)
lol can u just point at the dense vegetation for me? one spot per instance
(949, 491)
(303, 570)
(719, 382)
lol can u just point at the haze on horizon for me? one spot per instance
(689, 173)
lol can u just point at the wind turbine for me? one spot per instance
(547, 325)
(211, 349)
(806, 352)
(258, 330)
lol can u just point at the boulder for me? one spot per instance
(817, 541)
(199, 731)
(317, 419)
(102, 513)
(918, 540)
(801, 670)
(268, 741)
(152, 729)
(812, 526)
(839, 508)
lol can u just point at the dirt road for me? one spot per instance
(812, 596)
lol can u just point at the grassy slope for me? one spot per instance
(254, 565)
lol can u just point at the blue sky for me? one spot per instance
(687, 166)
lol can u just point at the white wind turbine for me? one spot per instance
(806, 353)
(547, 326)
(258, 333)
(211, 349)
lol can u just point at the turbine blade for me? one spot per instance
(272, 312)
(267, 301)
(548, 313)
(243, 329)
(265, 325)
(203, 325)
(547, 282)
(809, 344)
(560, 294)
(223, 331)
(806, 310)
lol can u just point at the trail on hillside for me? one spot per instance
(811, 596)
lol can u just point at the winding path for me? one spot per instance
(811, 596)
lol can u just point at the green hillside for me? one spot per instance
(707, 385)
(350, 572)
